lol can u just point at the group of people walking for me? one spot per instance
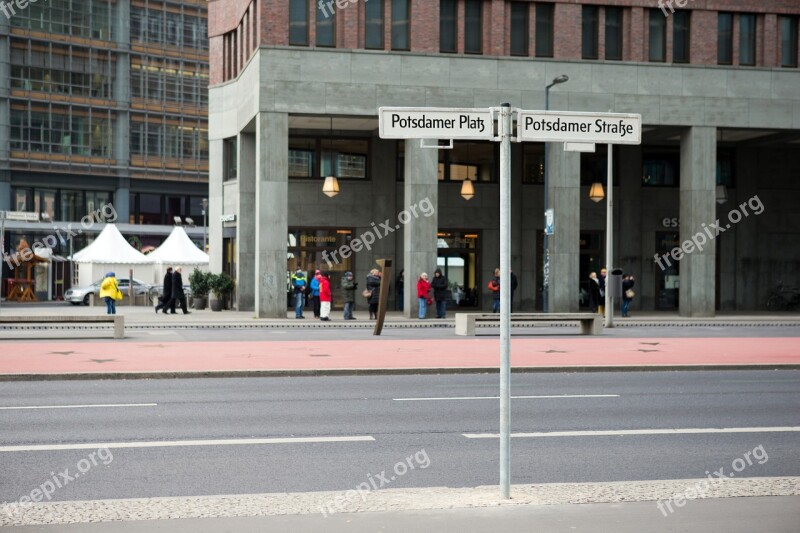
(173, 293)
(597, 292)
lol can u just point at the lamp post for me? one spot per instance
(545, 249)
(204, 203)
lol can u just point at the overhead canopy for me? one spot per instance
(178, 249)
(111, 247)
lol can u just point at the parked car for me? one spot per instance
(80, 295)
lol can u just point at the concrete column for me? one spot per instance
(121, 87)
(271, 214)
(215, 164)
(629, 237)
(246, 222)
(122, 200)
(419, 235)
(5, 82)
(564, 191)
(698, 207)
(5, 191)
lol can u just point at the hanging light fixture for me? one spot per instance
(467, 189)
(596, 193)
(331, 186)
(722, 194)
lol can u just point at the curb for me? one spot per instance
(75, 376)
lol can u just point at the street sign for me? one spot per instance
(23, 216)
(549, 221)
(435, 123)
(566, 126)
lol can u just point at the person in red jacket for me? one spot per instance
(423, 290)
(325, 296)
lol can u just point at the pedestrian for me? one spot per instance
(399, 283)
(110, 293)
(494, 286)
(441, 292)
(594, 292)
(374, 289)
(178, 295)
(315, 292)
(349, 287)
(299, 286)
(423, 294)
(601, 303)
(514, 284)
(325, 296)
(167, 292)
(627, 294)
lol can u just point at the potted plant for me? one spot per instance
(213, 281)
(198, 281)
(225, 286)
(221, 286)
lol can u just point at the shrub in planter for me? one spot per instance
(198, 281)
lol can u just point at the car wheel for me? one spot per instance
(86, 299)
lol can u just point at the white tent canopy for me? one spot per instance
(178, 250)
(111, 252)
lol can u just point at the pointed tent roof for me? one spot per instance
(178, 249)
(111, 247)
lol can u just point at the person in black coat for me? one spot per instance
(374, 285)
(440, 292)
(514, 285)
(627, 285)
(178, 296)
(594, 292)
(167, 292)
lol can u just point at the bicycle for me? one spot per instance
(783, 298)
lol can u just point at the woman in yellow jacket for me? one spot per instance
(109, 291)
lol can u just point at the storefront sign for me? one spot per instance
(227, 218)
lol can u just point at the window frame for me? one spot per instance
(298, 23)
(470, 21)
(656, 20)
(524, 7)
(793, 23)
(724, 37)
(590, 27)
(752, 47)
(619, 12)
(380, 26)
(545, 15)
(401, 29)
(452, 22)
(687, 36)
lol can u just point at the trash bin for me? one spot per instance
(614, 283)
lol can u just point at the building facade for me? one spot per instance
(103, 102)
(294, 91)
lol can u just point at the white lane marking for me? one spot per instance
(513, 397)
(171, 443)
(15, 407)
(622, 432)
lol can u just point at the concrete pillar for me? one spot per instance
(5, 191)
(246, 222)
(122, 87)
(419, 235)
(564, 191)
(215, 197)
(629, 237)
(122, 200)
(524, 295)
(698, 207)
(271, 214)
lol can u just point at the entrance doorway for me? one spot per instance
(458, 258)
(591, 260)
(668, 278)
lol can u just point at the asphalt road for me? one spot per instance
(402, 420)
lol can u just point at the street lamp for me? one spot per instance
(546, 251)
(204, 203)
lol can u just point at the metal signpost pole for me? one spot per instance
(609, 301)
(505, 300)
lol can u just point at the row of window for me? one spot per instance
(543, 22)
(60, 204)
(89, 19)
(183, 82)
(318, 157)
(62, 68)
(162, 209)
(178, 29)
(169, 139)
(240, 43)
(57, 129)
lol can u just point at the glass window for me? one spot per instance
(725, 38)
(400, 25)
(298, 22)
(72, 208)
(680, 37)
(533, 163)
(614, 33)
(301, 157)
(658, 36)
(747, 39)
(150, 209)
(447, 25)
(344, 158)
(23, 199)
(229, 156)
(590, 22)
(373, 19)
(519, 28)
(473, 27)
(473, 160)
(788, 41)
(544, 30)
(660, 169)
(326, 27)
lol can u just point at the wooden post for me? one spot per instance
(383, 298)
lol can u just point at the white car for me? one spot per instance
(80, 295)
